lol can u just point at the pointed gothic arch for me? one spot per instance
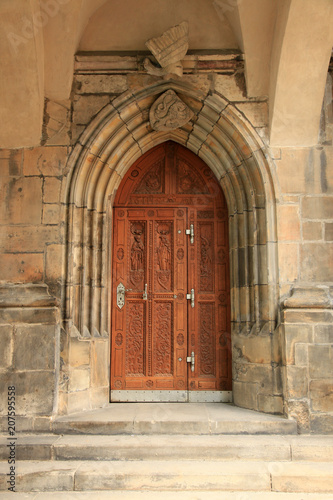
(228, 144)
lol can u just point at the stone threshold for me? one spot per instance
(172, 418)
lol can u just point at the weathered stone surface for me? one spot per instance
(323, 334)
(288, 223)
(254, 349)
(321, 423)
(321, 394)
(316, 262)
(295, 477)
(57, 122)
(295, 334)
(31, 238)
(255, 112)
(6, 336)
(54, 262)
(87, 106)
(46, 161)
(24, 203)
(100, 84)
(34, 391)
(245, 395)
(51, 190)
(329, 231)
(47, 315)
(297, 382)
(321, 361)
(301, 355)
(317, 207)
(79, 353)
(312, 231)
(300, 411)
(99, 366)
(270, 404)
(288, 262)
(26, 356)
(233, 89)
(30, 295)
(51, 215)
(22, 267)
(79, 379)
(11, 162)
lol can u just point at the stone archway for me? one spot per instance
(228, 144)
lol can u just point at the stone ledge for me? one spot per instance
(311, 297)
(26, 295)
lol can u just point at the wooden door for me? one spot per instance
(168, 193)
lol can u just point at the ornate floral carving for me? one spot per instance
(206, 257)
(120, 253)
(223, 298)
(151, 213)
(188, 182)
(180, 254)
(180, 339)
(180, 384)
(119, 339)
(206, 339)
(180, 213)
(152, 181)
(121, 213)
(135, 340)
(223, 340)
(135, 173)
(163, 339)
(118, 384)
(222, 256)
(205, 214)
(169, 112)
(169, 49)
(192, 385)
(149, 383)
(180, 296)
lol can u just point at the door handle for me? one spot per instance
(121, 294)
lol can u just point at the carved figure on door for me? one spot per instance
(164, 254)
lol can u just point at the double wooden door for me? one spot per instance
(170, 314)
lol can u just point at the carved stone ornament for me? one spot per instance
(169, 112)
(169, 50)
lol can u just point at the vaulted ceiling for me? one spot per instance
(286, 45)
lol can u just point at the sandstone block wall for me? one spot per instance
(274, 371)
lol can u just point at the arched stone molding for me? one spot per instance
(227, 143)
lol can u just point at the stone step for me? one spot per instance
(166, 447)
(159, 475)
(166, 495)
(173, 418)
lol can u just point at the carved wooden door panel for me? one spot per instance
(149, 333)
(170, 294)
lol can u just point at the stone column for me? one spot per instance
(29, 355)
(308, 358)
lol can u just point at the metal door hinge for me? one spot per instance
(191, 359)
(191, 233)
(190, 296)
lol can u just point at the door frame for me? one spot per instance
(173, 395)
